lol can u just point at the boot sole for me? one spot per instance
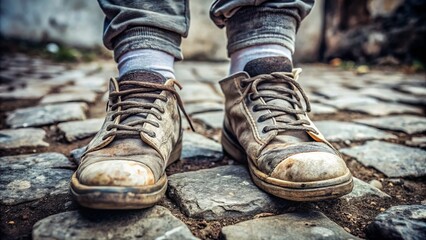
(117, 198)
(294, 191)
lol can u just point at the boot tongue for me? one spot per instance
(268, 65)
(142, 76)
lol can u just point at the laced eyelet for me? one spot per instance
(260, 119)
(152, 134)
(254, 108)
(242, 84)
(250, 96)
(264, 130)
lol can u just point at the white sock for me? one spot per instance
(149, 59)
(240, 58)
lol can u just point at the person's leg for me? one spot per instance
(257, 29)
(145, 33)
(124, 164)
(266, 122)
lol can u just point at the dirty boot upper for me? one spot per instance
(141, 129)
(266, 112)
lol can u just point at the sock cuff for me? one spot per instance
(146, 37)
(164, 57)
(240, 58)
(148, 59)
(261, 50)
(252, 26)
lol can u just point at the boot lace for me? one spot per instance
(127, 107)
(285, 87)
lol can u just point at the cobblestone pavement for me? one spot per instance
(49, 112)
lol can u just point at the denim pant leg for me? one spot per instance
(254, 22)
(142, 24)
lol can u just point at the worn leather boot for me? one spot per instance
(266, 124)
(124, 165)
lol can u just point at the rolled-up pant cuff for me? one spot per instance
(251, 26)
(149, 38)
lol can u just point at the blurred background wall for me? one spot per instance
(374, 31)
(73, 22)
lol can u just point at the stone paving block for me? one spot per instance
(8, 76)
(211, 72)
(391, 159)
(404, 123)
(416, 90)
(76, 154)
(335, 91)
(399, 222)
(198, 92)
(25, 178)
(196, 146)
(356, 84)
(417, 142)
(314, 98)
(22, 138)
(47, 114)
(362, 190)
(201, 71)
(47, 83)
(26, 93)
(390, 95)
(418, 80)
(49, 68)
(95, 67)
(313, 83)
(211, 119)
(386, 77)
(319, 108)
(383, 109)
(4, 88)
(152, 223)
(88, 97)
(322, 75)
(76, 130)
(185, 74)
(218, 89)
(221, 192)
(202, 107)
(345, 102)
(95, 83)
(75, 89)
(68, 76)
(336, 131)
(296, 225)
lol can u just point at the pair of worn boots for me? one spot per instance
(266, 126)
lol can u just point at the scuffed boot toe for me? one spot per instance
(116, 173)
(310, 167)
